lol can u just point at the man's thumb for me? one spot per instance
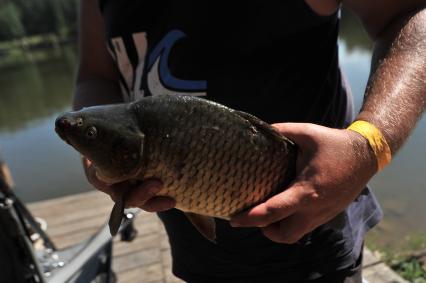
(299, 133)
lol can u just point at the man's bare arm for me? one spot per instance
(97, 77)
(335, 165)
(395, 97)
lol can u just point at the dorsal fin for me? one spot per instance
(262, 126)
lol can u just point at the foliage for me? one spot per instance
(412, 270)
(20, 18)
(10, 23)
(33, 91)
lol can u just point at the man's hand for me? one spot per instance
(333, 167)
(136, 194)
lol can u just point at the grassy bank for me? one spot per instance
(413, 269)
(408, 259)
(32, 48)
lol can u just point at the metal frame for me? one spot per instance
(75, 264)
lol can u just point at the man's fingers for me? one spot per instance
(138, 195)
(135, 195)
(157, 204)
(274, 209)
(143, 196)
(288, 231)
(117, 190)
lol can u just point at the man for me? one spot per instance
(278, 61)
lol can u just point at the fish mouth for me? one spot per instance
(62, 135)
(62, 125)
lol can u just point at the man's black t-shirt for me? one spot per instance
(277, 60)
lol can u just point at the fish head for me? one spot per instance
(108, 136)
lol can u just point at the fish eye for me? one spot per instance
(79, 121)
(91, 132)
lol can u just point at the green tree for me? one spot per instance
(37, 16)
(70, 8)
(11, 26)
(33, 17)
(60, 26)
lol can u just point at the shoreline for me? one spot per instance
(33, 48)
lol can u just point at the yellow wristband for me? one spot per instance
(376, 140)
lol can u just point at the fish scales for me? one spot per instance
(229, 147)
(211, 159)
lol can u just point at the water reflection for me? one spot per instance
(33, 91)
(352, 34)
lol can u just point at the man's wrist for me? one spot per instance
(376, 141)
(365, 158)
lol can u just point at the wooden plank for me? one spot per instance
(58, 218)
(369, 259)
(68, 200)
(72, 219)
(136, 259)
(148, 241)
(166, 258)
(67, 240)
(77, 225)
(147, 259)
(86, 206)
(148, 274)
(381, 273)
(169, 277)
(91, 207)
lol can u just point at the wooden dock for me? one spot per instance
(72, 219)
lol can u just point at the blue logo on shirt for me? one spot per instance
(162, 52)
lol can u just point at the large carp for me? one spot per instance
(213, 160)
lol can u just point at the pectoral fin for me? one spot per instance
(116, 216)
(204, 224)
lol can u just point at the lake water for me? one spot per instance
(33, 94)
